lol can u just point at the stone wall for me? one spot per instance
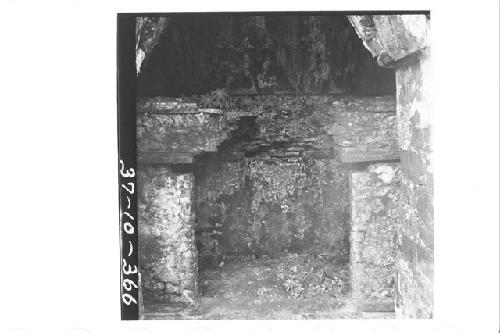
(171, 130)
(366, 136)
(271, 183)
(167, 251)
(299, 206)
(315, 126)
(416, 234)
(374, 199)
(276, 185)
(267, 206)
(222, 209)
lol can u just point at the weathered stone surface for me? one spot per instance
(173, 131)
(355, 155)
(141, 299)
(318, 126)
(374, 201)
(167, 251)
(274, 184)
(287, 127)
(416, 234)
(391, 38)
(332, 103)
(177, 133)
(270, 187)
(223, 208)
(166, 105)
(262, 205)
(301, 206)
(413, 107)
(168, 157)
(366, 136)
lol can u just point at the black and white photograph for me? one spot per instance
(284, 166)
(253, 167)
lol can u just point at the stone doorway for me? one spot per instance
(283, 202)
(263, 208)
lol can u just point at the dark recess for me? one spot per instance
(262, 54)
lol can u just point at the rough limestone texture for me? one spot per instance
(167, 250)
(172, 131)
(291, 207)
(319, 126)
(416, 234)
(366, 136)
(374, 201)
(275, 184)
(222, 209)
(262, 205)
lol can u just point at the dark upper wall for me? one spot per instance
(261, 54)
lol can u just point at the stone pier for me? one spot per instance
(402, 42)
(167, 250)
(416, 235)
(374, 204)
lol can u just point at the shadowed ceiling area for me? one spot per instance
(291, 54)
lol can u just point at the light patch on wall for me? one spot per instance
(384, 172)
(139, 58)
(418, 25)
(425, 110)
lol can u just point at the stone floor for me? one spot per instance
(288, 287)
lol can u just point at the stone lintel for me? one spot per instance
(366, 136)
(164, 158)
(368, 104)
(353, 155)
(170, 105)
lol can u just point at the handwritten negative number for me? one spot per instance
(129, 173)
